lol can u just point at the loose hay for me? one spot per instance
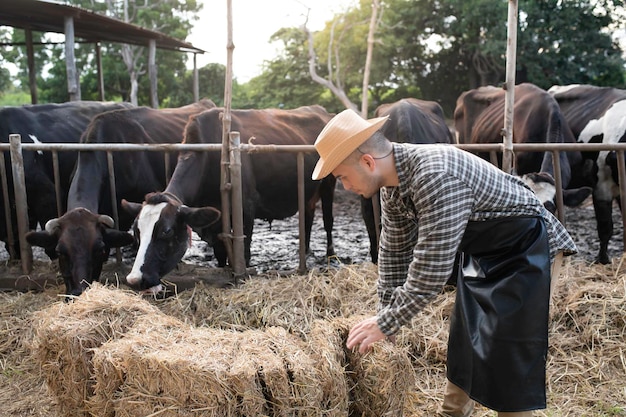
(289, 302)
(586, 362)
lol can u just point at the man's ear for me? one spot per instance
(368, 161)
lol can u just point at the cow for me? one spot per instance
(479, 118)
(597, 115)
(82, 237)
(411, 120)
(269, 187)
(45, 123)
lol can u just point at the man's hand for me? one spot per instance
(364, 334)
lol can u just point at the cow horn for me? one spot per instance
(52, 225)
(106, 220)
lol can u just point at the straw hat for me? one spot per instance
(340, 137)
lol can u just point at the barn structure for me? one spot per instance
(88, 27)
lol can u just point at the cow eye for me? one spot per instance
(167, 233)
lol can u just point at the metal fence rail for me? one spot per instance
(15, 147)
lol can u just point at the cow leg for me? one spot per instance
(367, 212)
(327, 195)
(604, 221)
(219, 250)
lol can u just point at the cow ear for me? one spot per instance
(199, 217)
(43, 239)
(131, 208)
(115, 238)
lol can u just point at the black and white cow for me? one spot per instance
(45, 123)
(269, 182)
(411, 120)
(597, 115)
(82, 237)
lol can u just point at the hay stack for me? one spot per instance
(378, 381)
(206, 372)
(67, 332)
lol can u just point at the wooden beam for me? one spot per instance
(196, 82)
(99, 69)
(32, 75)
(73, 87)
(152, 71)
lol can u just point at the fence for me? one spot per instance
(15, 147)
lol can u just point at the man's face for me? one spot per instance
(358, 176)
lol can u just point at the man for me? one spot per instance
(505, 240)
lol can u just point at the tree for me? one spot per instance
(285, 81)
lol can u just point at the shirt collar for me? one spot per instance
(402, 168)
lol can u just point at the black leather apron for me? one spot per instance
(499, 327)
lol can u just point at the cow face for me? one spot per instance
(544, 187)
(81, 241)
(162, 230)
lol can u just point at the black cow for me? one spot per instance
(479, 118)
(82, 237)
(45, 123)
(269, 186)
(412, 121)
(597, 115)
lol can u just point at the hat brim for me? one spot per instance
(327, 165)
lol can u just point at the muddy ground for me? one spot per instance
(275, 246)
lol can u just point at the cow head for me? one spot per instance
(81, 240)
(162, 230)
(544, 187)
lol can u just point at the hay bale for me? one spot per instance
(206, 372)
(65, 334)
(378, 381)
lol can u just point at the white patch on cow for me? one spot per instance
(556, 89)
(148, 216)
(612, 125)
(543, 190)
(35, 141)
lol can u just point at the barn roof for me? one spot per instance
(44, 16)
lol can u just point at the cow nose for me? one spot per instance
(133, 278)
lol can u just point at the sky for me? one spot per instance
(254, 21)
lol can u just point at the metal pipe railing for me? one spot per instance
(493, 149)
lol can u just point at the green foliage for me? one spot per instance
(563, 42)
(14, 97)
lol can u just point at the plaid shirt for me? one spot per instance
(443, 187)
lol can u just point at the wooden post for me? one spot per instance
(226, 121)
(511, 50)
(196, 81)
(99, 69)
(21, 203)
(113, 189)
(32, 75)
(57, 182)
(152, 71)
(621, 172)
(73, 87)
(236, 193)
(7, 208)
(301, 217)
